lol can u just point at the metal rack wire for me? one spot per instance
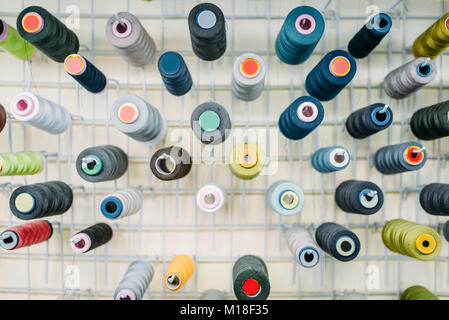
(215, 241)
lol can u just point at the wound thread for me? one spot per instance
(330, 159)
(130, 39)
(431, 122)
(122, 203)
(337, 241)
(432, 42)
(135, 281)
(369, 120)
(370, 35)
(446, 230)
(21, 163)
(3, 118)
(418, 293)
(178, 272)
(12, 42)
(171, 163)
(411, 239)
(362, 197)
(302, 246)
(211, 197)
(248, 77)
(41, 200)
(43, 30)
(250, 278)
(211, 123)
(402, 157)
(246, 160)
(174, 73)
(285, 197)
(213, 294)
(40, 113)
(26, 235)
(434, 199)
(91, 237)
(409, 77)
(85, 73)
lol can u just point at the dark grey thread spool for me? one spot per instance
(250, 278)
(337, 241)
(402, 157)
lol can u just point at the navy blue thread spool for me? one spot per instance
(367, 121)
(402, 157)
(299, 35)
(371, 34)
(301, 117)
(174, 73)
(334, 71)
(85, 73)
(330, 159)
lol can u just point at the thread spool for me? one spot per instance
(25, 235)
(207, 28)
(369, 120)
(418, 293)
(246, 160)
(85, 73)
(299, 35)
(211, 123)
(302, 246)
(40, 113)
(12, 42)
(130, 39)
(402, 157)
(174, 73)
(301, 117)
(41, 200)
(337, 241)
(3, 118)
(43, 30)
(332, 73)
(211, 197)
(135, 281)
(138, 119)
(431, 122)
(171, 163)
(102, 163)
(178, 272)
(330, 159)
(370, 35)
(21, 163)
(122, 203)
(411, 239)
(248, 77)
(285, 197)
(91, 237)
(250, 278)
(213, 294)
(432, 42)
(362, 197)
(434, 199)
(446, 230)
(409, 77)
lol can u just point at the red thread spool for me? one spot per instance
(26, 234)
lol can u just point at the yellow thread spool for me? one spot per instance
(179, 271)
(434, 40)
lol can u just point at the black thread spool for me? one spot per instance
(91, 238)
(431, 122)
(250, 278)
(402, 157)
(40, 28)
(102, 163)
(41, 200)
(207, 31)
(369, 37)
(339, 242)
(171, 163)
(369, 120)
(211, 123)
(85, 73)
(362, 197)
(434, 199)
(174, 73)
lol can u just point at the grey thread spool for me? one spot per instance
(402, 157)
(138, 119)
(302, 246)
(248, 77)
(211, 123)
(250, 278)
(122, 203)
(135, 281)
(408, 78)
(40, 113)
(213, 294)
(130, 39)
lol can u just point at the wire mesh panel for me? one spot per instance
(170, 222)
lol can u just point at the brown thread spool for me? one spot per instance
(3, 118)
(179, 271)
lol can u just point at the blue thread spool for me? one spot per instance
(87, 75)
(334, 71)
(301, 117)
(369, 36)
(330, 159)
(174, 73)
(299, 35)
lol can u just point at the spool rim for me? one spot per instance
(75, 64)
(307, 111)
(341, 241)
(334, 154)
(107, 212)
(247, 158)
(308, 20)
(126, 293)
(251, 288)
(86, 165)
(76, 245)
(35, 26)
(5, 32)
(250, 68)
(116, 25)
(25, 203)
(206, 19)
(364, 202)
(169, 284)
(410, 159)
(378, 122)
(420, 243)
(424, 73)
(314, 261)
(128, 113)
(340, 66)
(294, 199)
(164, 157)
(23, 105)
(209, 120)
(10, 245)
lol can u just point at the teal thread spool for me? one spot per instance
(21, 163)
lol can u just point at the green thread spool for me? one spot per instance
(434, 40)
(21, 163)
(418, 293)
(411, 239)
(11, 41)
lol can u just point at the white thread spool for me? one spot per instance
(122, 203)
(248, 77)
(211, 197)
(40, 113)
(302, 246)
